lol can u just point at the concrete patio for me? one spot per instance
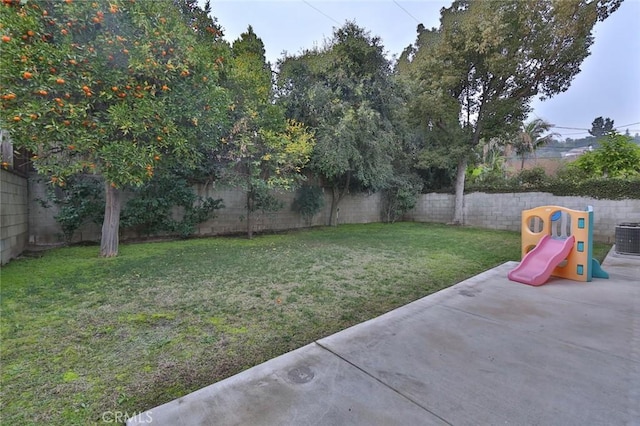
(486, 351)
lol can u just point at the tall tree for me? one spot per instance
(110, 88)
(341, 91)
(478, 71)
(530, 138)
(601, 127)
(264, 151)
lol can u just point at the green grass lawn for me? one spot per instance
(83, 335)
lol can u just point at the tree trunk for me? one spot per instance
(249, 214)
(335, 201)
(336, 197)
(110, 226)
(460, 176)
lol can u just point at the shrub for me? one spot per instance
(535, 177)
(309, 201)
(80, 201)
(599, 188)
(400, 196)
(167, 204)
(617, 157)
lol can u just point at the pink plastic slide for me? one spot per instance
(537, 265)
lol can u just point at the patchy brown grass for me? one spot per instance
(82, 335)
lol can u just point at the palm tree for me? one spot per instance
(530, 138)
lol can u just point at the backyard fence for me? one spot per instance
(25, 220)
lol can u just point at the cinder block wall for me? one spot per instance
(357, 208)
(43, 228)
(14, 213)
(232, 218)
(504, 211)
(492, 211)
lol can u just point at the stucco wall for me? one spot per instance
(14, 211)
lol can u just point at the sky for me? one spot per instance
(608, 84)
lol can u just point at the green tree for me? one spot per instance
(601, 127)
(109, 88)
(264, 151)
(530, 138)
(617, 157)
(342, 92)
(478, 71)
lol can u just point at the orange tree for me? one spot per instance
(109, 88)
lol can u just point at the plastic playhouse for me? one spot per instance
(557, 241)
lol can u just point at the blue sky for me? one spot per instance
(608, 85)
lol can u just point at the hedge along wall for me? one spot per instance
(14, 215)
(492, 211)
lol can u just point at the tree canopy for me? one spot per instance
(531, 137)
(477, 73)
(110, 88)
(343, 93)
(139, 91)
(264, 150)
(601, 127)
(616, 157)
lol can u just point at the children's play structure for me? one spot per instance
(557, 241)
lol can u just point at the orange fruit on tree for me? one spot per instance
(60, 80)
(27, 75)
(6, 38)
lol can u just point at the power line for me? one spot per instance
(406, 11)
(586, 131)
(569, 128)
(630, 124)
(321, 12)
